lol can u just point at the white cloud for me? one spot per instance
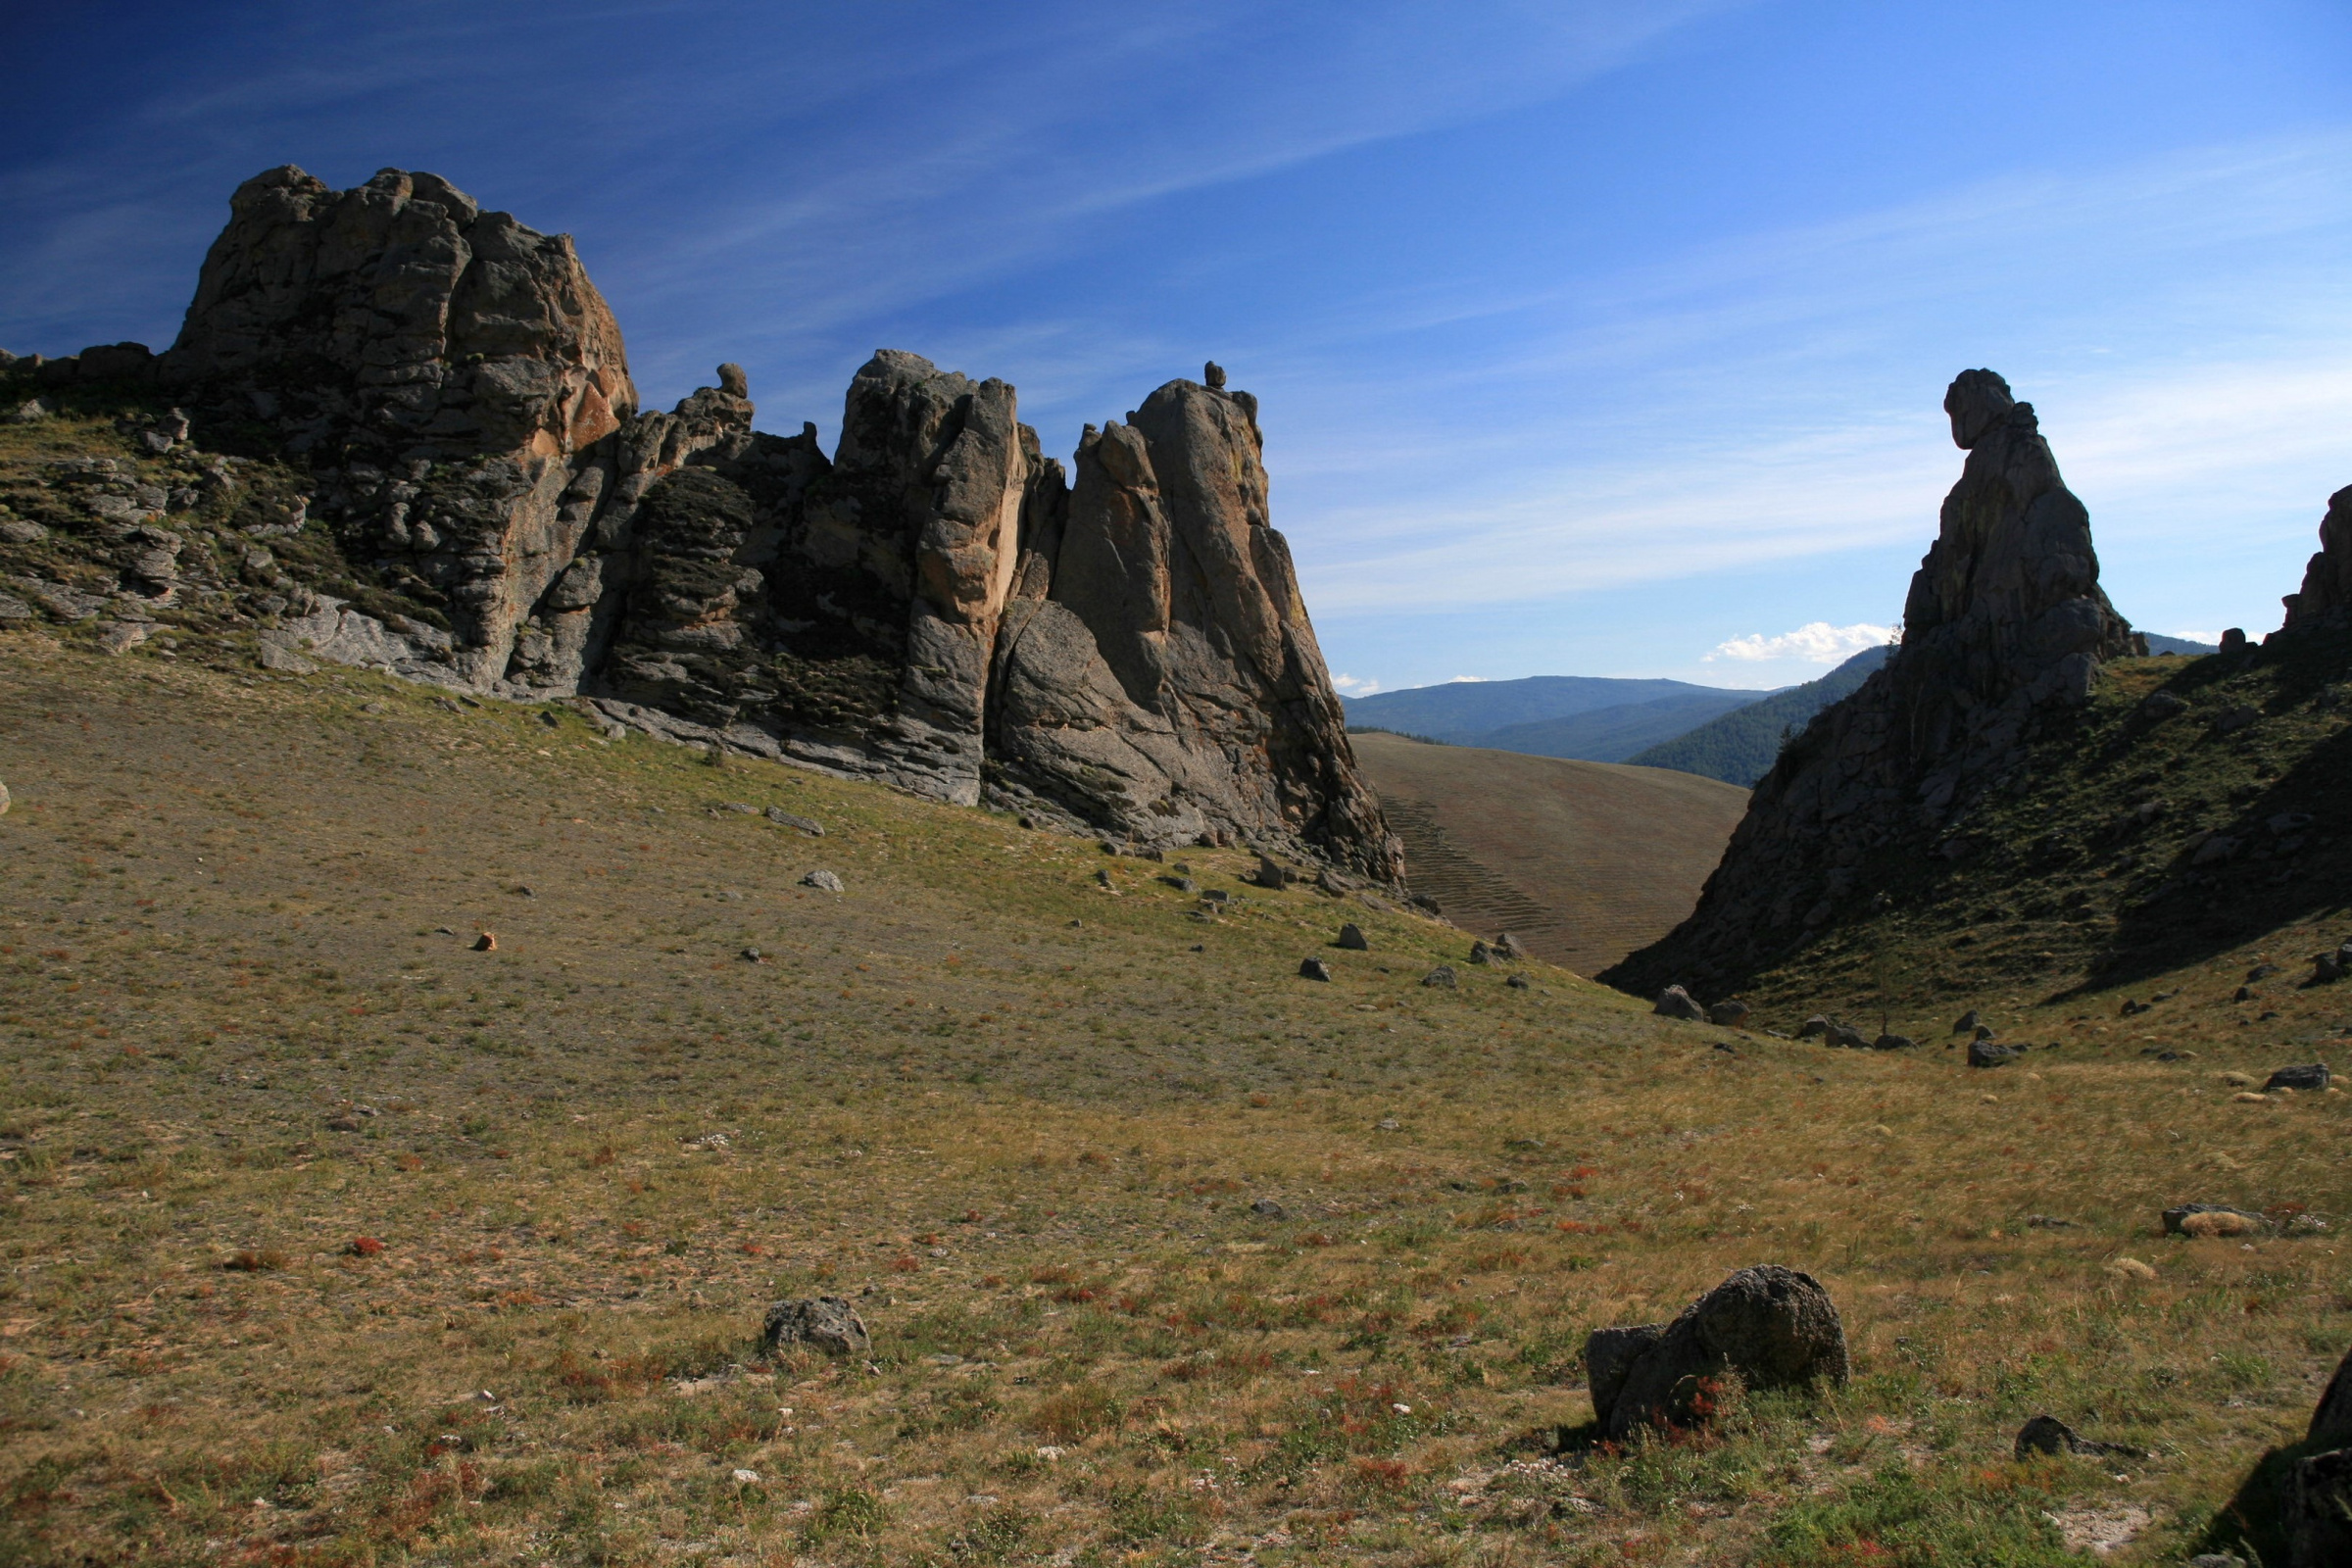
(1816, 642)
(1462, 680)
(1349, 686)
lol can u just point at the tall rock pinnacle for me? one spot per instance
(2326, 592)
(932, 605)
(2005, 627)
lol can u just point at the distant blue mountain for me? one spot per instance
(1740, 748)
(1472, 712)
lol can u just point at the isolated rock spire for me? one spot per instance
(2326, 592)
(2005, 627)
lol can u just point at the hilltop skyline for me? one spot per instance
(1584, 346)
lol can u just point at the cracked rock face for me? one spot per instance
(933, 606)
(2005, 627)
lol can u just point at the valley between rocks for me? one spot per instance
(1016, 1098)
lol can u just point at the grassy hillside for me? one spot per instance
(1741, 746)
(334, 1241)
(1467, 713)
(1583, 862)
(2079, 885)
(1616, 734)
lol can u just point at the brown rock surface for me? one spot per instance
(932, 605)
(2004, 627)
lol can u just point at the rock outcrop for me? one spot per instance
(2004, 631)
(2327, 593)
(934, 604)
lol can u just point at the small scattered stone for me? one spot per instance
(1517, 982)
(1387, 1125)
(1351, 937)
(750, 955)
(826, 881)
(344, 1124)
(799, 825)
(2309, 1080)
(485, 943)
(1967, 1023)
(1267, 1209)
(1990, 1053)
(1480, 952)
(1441, 976)
(21, 531)
(1730, 1013)
(1315, 969)
(2049, 1222)
(1815, 1027)
(2261, 971)
(1675, 1003)
(1506, 946)
(827, 1322)
(1847, 1036)
(1894, 1042)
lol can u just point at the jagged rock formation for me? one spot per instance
(2005, 627)
(2326, 592)
(933, 606)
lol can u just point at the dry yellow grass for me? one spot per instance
(1022, 1120)
(1582, 861)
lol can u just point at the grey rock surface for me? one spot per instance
(824, 881)
(1675, 1003)
(2310, 1078)
(2004, 631)
(828, 1323)
(1730, 1013)
(1351, 937)
(934, 606)
(1771, 1327)
(1443, 977)
(1990, 1053)
(1315, 969)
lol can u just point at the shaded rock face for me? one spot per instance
(2327, 593)
(934, 604)
(2004, 631)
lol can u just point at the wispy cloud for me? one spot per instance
(1816, 642)
(1350, 686)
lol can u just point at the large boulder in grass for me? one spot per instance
(2331, 1422)
(1675, 1003)
(2319, 1511)
(1770, 1327)
(828, 1323)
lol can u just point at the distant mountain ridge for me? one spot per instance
(1586, 717)
(1740, 747)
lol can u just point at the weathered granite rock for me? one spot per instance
(2326, 592)
(1772, 1327)
(1675, 1003)
(829, 1323)
(2005, 627)
(1157, 665)
(933, 606)
(2331, 1419)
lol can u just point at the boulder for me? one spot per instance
(1847, 1036)
(1442, 977)
(1506, 946)
(1480, 952)
(822, 881)
(1517, 982)
(1770, 1327)
(1990, 1053)
(2311, 1079)
(1967, 1023)
(1814, 1027)
(2213, 1219)
(1730, 1013)
(1892, 1042)
(2326, 597)
(1315, 969)
(1673, 1002)
(2005, 630)
(828, 1323)
(2331, 1419)
(2319, 1511)
(1351, 937)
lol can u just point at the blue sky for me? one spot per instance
(1592, 338)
